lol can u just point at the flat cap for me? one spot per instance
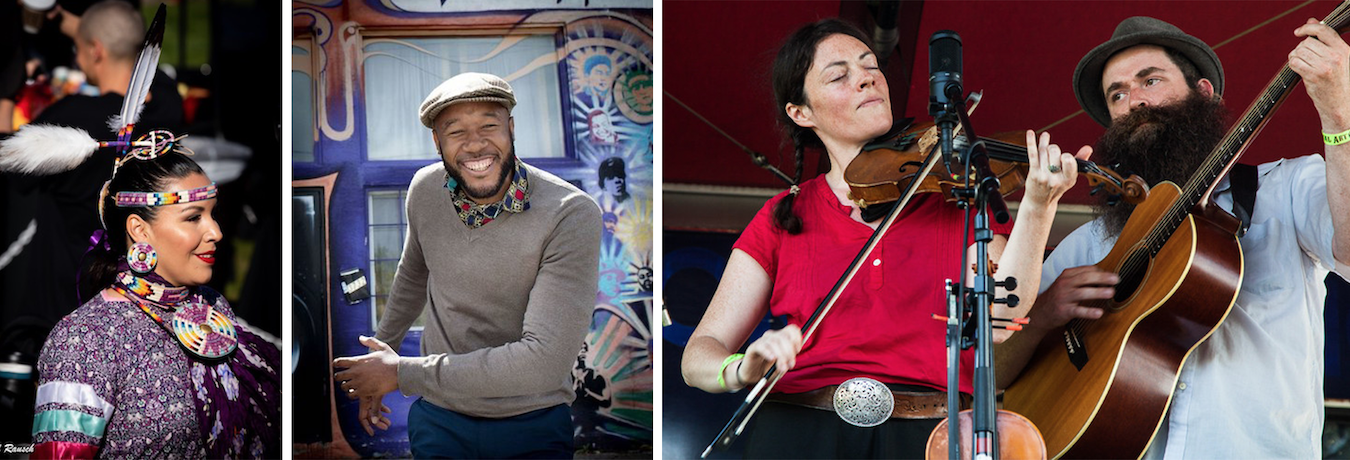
(466, 87)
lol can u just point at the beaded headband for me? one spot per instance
(152, 199)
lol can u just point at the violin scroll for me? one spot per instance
(1133, 189)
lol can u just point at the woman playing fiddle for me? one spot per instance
(834, 97)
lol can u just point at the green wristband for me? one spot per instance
(1336, 139)
(721, 381)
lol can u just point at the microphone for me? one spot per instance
(944, 75)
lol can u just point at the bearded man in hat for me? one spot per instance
(1254, 388)
(504, 258)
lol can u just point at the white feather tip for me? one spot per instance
(115, 123)
(45, 149)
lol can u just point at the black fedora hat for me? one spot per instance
(1139, 30)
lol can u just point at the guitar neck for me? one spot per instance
(1200, 187)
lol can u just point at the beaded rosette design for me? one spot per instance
(204, 331)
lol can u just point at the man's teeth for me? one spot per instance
(479, 165)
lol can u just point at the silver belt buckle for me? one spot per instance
(863, 402)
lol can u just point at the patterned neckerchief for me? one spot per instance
(476, 215)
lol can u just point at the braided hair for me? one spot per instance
(789, 87)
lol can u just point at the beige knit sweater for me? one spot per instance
(508, 304)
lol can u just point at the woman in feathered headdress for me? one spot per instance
(154, 364)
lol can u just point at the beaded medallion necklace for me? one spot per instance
(199, 328)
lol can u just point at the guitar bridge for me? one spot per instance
(1077, 354)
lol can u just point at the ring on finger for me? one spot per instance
(1054, 168)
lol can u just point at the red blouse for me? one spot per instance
(882, 326)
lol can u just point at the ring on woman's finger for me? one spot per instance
(1054, 168)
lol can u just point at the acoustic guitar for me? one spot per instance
(1100, 388)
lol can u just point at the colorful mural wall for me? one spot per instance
(583, 73)
(610, 64)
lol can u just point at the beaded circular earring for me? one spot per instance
(141, 257)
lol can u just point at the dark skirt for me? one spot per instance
(781, 430)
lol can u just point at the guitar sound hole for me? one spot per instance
(1131, 274)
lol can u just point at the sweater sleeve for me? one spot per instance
(76, 390)
(556, 321)
(408, 294)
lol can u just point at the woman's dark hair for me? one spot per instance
(133, 176)
(789, 87)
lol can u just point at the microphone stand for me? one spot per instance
(983, 198)
(945, 117)
(758, 158)
(763, 162)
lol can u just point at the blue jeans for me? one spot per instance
(436, 432)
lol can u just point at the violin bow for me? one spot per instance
(755, 398)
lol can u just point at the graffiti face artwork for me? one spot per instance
(645, 278)
(598, 78)
(611, 222)
(602, 128)
(635, 95)
(613, 179)
(614, 186)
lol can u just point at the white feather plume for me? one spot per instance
(45, 149)
(137, 89)
(142, 75)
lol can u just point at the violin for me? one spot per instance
(1017, 437)
(886, 166)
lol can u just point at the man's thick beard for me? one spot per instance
(486, 192)
(1181, 136)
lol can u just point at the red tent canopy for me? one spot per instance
(716, 58)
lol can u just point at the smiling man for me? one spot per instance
(504, 258)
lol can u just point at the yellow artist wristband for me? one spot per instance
(721, 381)
(1336, 139)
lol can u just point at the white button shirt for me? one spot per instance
(1254, 388)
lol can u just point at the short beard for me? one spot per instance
(486, 192)
(1183, 134)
